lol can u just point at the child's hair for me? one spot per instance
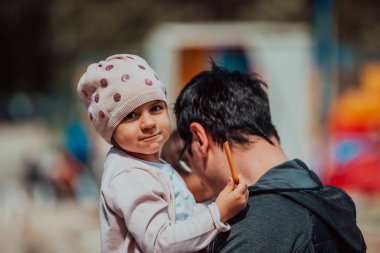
(113, 88)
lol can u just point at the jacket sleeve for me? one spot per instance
(141, 200)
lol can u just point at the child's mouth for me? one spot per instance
(149, 138)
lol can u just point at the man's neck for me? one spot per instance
(255, 159)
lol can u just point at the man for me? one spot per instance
(289, 210)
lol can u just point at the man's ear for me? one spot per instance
(200, 137)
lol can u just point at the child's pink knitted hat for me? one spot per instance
(113, 88)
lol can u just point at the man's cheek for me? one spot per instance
(195, 167)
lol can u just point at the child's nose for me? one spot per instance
(147, 121)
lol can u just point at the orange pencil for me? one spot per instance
(234, 174)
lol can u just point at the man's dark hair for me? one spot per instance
(229, 105)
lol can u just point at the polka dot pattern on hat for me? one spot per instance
(148, 82)
(109, 67)
(103, 82)
(124, 77)
(113, 88)
(116, 97)
(96, 98)
(85, 94)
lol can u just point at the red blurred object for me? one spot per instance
(353, 160)
(67, 171)
(355, 170)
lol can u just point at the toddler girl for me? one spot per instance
(144, 204)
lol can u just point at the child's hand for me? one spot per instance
(232, 199)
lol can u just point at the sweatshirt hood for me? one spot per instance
(288, 175)
(335, 207)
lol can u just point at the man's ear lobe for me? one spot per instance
(200, 136)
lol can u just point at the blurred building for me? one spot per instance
(280, 53)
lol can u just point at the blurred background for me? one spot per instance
(321, 59)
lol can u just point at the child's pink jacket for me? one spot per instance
(137, 211)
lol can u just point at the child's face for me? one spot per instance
(144, 131)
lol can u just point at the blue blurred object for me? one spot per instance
(325, 50)
(347, 150)
(234, 59)
(77, 142)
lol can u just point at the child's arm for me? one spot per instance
(145, 211)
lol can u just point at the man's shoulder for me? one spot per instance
(292, 222)
(270, 223)
(272, 210)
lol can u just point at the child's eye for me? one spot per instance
(156, 108)
(131, 115)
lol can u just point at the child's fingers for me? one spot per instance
(242, 186)
(229, 186)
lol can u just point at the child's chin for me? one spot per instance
(153, 148)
